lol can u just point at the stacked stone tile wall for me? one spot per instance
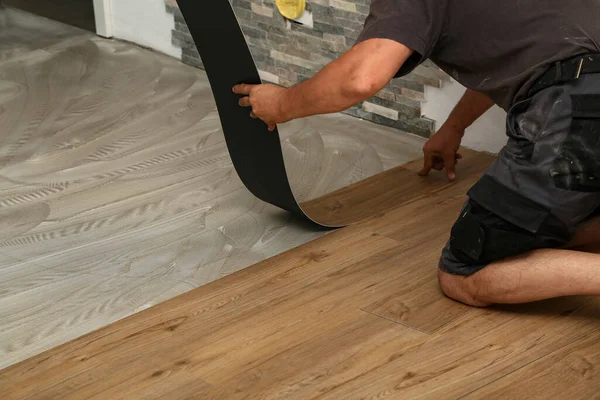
(287, 52)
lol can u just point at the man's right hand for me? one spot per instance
(441, 151)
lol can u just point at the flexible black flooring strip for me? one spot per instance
(255, 151)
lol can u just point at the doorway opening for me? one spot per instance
(79, 13)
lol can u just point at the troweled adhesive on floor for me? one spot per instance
(116, 188)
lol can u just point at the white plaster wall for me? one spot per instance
(145, 22)
(486, 134)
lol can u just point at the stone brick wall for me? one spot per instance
(287, 52)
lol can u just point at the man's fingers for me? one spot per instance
(244, 101)
(242, 88)
(427, 164)
(252, 115)
(271, 127)
(438, 163)
(450, 162)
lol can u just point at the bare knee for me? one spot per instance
(462, 289)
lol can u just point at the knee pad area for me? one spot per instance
(480, 236)
(497, 223)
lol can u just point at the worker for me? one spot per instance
(520, 234)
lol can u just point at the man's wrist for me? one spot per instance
(468, 110)
(455, 126)
(286, 104)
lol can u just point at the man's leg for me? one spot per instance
(536, 275)
(533, 276)
(515, 239)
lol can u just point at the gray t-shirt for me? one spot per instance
(495, 47)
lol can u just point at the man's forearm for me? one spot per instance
(470, 108)
(327, 92)
(354, 77)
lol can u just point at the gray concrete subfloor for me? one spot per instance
(116, 188)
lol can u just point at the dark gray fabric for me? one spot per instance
(496, 47)
(539, 131)
(578, 165)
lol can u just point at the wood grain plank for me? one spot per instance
(389, 189)
(215, 320)
(569, 373)
(332, 358)
(480, 347)
(485, 345)
(72, 305)
(418, 302)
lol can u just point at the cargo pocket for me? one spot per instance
(577, 167)
(496, 223)
(518, 145)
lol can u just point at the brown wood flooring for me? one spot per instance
(355, 314)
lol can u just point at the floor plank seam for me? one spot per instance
(472, 310)
(397, 322)
(529, 363)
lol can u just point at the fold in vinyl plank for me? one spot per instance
(256, 152)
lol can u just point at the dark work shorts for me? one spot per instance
(544, 183)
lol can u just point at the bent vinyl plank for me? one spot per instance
(255, 151)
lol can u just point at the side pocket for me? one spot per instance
(496, 223)
(577, 167)
(518, 145)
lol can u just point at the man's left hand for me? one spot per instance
(266, 102)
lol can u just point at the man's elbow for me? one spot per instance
(361, 87)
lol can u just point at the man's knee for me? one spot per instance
(463, 289)
(497, 222)
(494, 224)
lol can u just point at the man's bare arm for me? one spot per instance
(470, 108)
(357, 75)
(441, 151)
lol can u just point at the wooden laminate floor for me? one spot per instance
(116, 188)
(356, 314)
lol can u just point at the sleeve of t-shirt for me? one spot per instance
(417, 24)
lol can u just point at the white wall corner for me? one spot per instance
(145, 22)
(103, 16)
(487, 134)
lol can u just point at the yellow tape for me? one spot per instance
(291, 9)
